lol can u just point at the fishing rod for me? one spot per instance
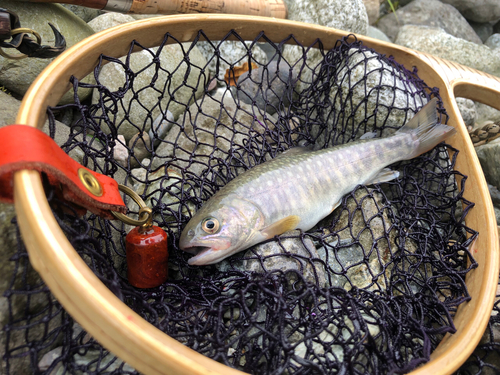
(266, 8)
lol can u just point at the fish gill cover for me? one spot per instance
(371, 289)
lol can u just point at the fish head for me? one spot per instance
(220, 229)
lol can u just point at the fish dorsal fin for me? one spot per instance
(384, 175)
(281, 226)
(294, 151)
(422, 120)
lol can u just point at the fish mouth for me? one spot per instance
(195, 250)
(204, 255)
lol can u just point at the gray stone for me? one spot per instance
(161, 125)
(160, 188)
(267, 87)
(361, 256)
(428, 13)
(483, 30)
(140, 146)
(86, 14)
(467, 110)
(231, 54)
(107, 20)
(489, 155)
(289, 254)
(486, 113)
(495, 197)
(372, 10)
(17, 75)
(493, 41)
(439, 43)
(477, 10)
(344, 15)
(120, 151)
(92, 361)
(235, 123)
(9, 106)
(376, 33)
(364, 72)
(148, 104)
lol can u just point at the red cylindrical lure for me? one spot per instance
(146, 247)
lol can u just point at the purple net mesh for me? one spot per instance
(371, 289)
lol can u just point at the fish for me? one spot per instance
(299, 187)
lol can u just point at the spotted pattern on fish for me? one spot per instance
(298, 189)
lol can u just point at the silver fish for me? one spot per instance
(299, 188)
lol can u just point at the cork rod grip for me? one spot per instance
(265, 8)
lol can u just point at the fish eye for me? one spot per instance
(210, 225)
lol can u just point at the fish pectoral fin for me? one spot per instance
(384, 175)
(281, 226)
(335, 206)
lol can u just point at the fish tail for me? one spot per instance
(426, 130)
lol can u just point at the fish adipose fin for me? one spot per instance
(425, 129)
(384, 175)
(281, 226)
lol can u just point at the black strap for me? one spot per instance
(9, 21)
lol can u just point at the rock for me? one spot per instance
(49, 358)
(495, 197)
(437, 42)
(17, 75)
(493, 41)
(200, 154)
(291, 253)
(344, 15)
(360, 93)
(349, 16)
(120, 151)
(268, 87)
(483, 30)
(144, 99)
(107, 20)
(467, 110)
(162, 190)
(140, 144)
(486, 113)
(428, 13)
(86, 14)
(376, 33)
(488, 155)
(232, 54)
(9, 106)
(359, 257)
(479, 10)
(92, 360)
(372, 10)
(161, 125)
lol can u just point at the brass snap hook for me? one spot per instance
(145, 213)
(21, 30)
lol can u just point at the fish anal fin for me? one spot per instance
(281, 226)
(384, 175)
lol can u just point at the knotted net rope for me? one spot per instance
(371, 289)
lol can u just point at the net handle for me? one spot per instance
(124, 332)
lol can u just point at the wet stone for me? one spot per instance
(289, 254)
(161, 125)
(267, 87)
(140, 146)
